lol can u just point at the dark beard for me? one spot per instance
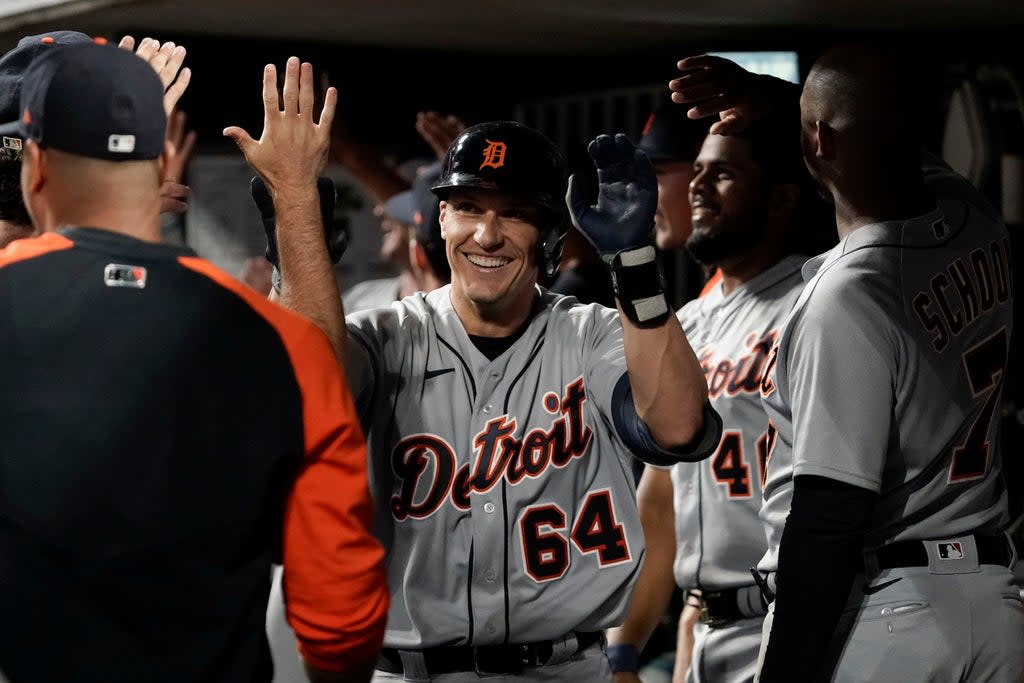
(712, 247)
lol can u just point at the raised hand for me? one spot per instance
(166, 59)
(438, 131)
(715, 85)
(173, 192)
(627, 197)
(292, 150)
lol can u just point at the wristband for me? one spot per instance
(640, 286)
(624, 658)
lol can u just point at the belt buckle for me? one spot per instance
(499, 660)
(706, 617)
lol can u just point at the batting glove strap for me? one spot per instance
(639, 286)
(623, 658)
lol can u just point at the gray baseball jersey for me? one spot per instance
(370, 294)
(889, 371)
(718, 533)
(505, 496)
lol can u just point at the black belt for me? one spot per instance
(721, 608)
(991, 550)
(491, 659)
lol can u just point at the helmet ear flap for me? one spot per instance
(549, 249)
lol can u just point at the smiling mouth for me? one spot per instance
(488, 261)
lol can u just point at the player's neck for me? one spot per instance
(492, 320)
(748, 265)
(891, 199)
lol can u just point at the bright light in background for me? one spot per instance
(779, 64)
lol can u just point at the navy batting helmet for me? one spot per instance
(511, 157)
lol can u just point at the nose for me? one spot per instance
(698, 186)
(488, 234)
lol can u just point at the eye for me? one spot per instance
(517, 214)
(465, 206)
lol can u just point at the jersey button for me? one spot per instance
(488, 507)
(490, 575)
(487, 409)
(490, 628)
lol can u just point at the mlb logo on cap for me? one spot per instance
(122, 144)
(950, 551)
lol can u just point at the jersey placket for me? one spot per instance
(488, 513)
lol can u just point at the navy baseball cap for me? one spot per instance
(405, 205)
(426, 219)
(92, 100)
(12, 72)
(670, 136)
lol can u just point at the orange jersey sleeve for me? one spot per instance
(335, 583)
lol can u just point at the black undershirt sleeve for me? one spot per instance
(819, 555)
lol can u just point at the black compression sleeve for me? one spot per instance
(818, 554)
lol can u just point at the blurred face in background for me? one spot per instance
(394, 244)
(672, 221)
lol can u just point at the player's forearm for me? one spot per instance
(669, 388)
(656, 582)
(821, 542)
(308, 285)
(684, 641)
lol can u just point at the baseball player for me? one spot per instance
(501, 417)
(146, 482)
(745, 195)
(884, 490)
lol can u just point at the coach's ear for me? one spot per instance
(34, 171)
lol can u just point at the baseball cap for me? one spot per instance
(669, 135)
(405, 205)
(426, 219)
(12, 71)
(92, 100)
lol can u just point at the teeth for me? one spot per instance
(488, 261)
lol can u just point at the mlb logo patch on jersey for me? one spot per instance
(12, 143)
(120, 275)
(950, 551)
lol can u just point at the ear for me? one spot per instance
(418, 255)
(164, 159)
(441, 218)
(825, 141)
(34, 168)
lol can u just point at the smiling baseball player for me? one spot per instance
(500, 417)
(746, 201)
